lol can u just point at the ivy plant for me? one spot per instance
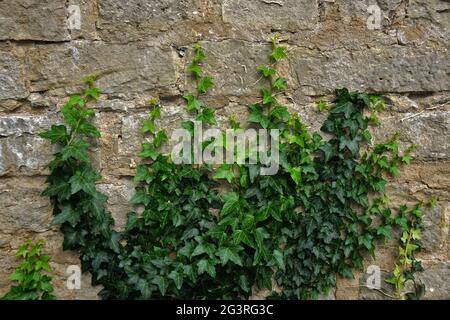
(410, 222)
(32, 279)
(315, 219)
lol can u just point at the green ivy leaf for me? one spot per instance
(280, 112)
(279, 259)
(92, 92)
(241, 236)
(267, 97)
(71, 115)
(296, 174)
(385, 231)
(257, 116)
(142, 173)
(162, 284)
(140, 197)
(145, 288)
(195, 69)
(322, 106)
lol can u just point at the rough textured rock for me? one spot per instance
(234, 65)
(140, 49)
(44, 20)
(26, 155)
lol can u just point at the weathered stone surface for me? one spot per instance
(141, 49)
(367, 293)
(33, 20)
(348, 289)
(12, 84)
(392, 69)
(288, 15)
(21, 150)
(234, 66)
(138, 19)
(19, 125)
(122, 69)
(25, 155)
(435, 229)
(23, 207)
(428, 130)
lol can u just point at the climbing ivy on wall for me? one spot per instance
(298, 229)
(31, 278)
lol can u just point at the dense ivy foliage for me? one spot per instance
(31, 278)
(300, 228)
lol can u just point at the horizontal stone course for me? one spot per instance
(381, 69)
(122, 69)
(141, 49)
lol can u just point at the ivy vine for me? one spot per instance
(298, 229)
(31, 278)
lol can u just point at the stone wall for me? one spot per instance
(140, 49)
